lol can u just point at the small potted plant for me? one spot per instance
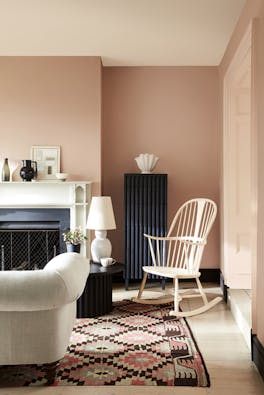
(74, 239)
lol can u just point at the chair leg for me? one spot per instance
(201, 291)
(142, 285)
(207, 305)
(176, 295)
(160, 300)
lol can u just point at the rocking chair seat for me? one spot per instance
(170, 272)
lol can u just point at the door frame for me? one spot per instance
(240, 54)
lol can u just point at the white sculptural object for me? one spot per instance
(146, 162)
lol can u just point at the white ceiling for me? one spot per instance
(122, 32)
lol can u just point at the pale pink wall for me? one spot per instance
(53, 101)
(173, 113)
(254, 12)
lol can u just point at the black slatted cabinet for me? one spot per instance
(145, 212)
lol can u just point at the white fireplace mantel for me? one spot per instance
(75, 195)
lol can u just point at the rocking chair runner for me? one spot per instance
(178, 256)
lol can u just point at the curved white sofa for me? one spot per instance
(38, 310)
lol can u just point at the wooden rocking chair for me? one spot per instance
(178, 256)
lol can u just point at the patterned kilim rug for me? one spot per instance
(134, 345)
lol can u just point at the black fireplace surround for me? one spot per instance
(30, 237)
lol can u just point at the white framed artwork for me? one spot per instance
(48, 161)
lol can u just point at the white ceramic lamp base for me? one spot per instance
(100, 247)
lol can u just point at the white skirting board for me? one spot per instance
(239, 301)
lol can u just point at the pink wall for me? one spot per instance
(173, 113)
(254, 12)
(53, 101)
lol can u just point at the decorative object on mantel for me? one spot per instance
(101, 218)
(13, 165)
(5, 171)
(48, 159)
(146, 162)
(61, 176)
(29, 170)
(74, 239)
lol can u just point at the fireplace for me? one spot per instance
(33, 216)
(29, 238)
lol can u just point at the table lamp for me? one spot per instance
(101, 218)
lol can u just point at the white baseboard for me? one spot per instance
(239, 302)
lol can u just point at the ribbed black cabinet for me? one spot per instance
(145, 212)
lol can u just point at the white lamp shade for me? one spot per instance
(101, 214)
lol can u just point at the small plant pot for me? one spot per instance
(73, 247)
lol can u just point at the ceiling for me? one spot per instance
(122, 32)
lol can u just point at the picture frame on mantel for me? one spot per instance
(48, 161)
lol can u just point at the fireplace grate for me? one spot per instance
(28, 249)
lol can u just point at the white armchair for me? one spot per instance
(38, 309)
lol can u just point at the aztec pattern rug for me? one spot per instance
(133, 345)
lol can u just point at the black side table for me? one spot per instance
(97, 295)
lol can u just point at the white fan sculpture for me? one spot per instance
(146, 162)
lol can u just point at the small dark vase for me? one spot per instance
(73, 247)
(27, 172)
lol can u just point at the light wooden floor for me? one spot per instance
(223, 347)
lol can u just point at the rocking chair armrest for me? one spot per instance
(182, 239)
(192, 240)
(159, 237)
